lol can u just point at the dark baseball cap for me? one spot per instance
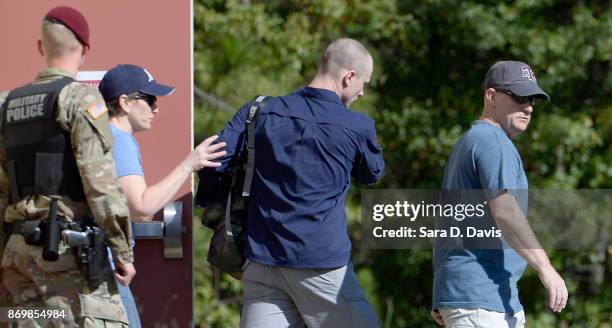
(516, 77)
(125, 79)
(73, 20)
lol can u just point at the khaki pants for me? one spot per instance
(32, 281)
(283, 297)
(481, 318)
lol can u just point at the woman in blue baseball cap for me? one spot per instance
(131, 93)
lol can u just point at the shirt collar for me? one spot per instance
(52, 72)
(322, 94)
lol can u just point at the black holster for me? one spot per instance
(91, 253)
(52, 233)
(95, 266)
(88, 243)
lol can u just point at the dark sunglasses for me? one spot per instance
(533, 100)
(149, 99)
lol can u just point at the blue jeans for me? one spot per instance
(127, 298)
(130, 305)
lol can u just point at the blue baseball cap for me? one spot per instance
(514, 76)
(125, 79)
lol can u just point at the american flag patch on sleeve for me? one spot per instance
(97, 109)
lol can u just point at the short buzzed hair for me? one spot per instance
(344, 54)
(57, 39)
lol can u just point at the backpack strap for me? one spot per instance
(251, 121)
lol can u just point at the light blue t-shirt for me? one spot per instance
(126, 153)
(485, 158)
(127, 156)
(127, 162)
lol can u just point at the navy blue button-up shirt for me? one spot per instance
(307, 146)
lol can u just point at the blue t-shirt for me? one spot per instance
(127, 156)
(126, 153)
(485, 158)
(307, 146)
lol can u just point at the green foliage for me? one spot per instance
(430, 60)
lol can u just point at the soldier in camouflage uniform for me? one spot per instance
(82, 116)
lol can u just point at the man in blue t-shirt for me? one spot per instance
(308, 145)
(478, 287)
(131, 93)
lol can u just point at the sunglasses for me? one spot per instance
(533, 100)
(149, 99)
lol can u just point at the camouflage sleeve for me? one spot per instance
(4, 186)
(82, 111)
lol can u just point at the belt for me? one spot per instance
(31, 230)
(16, 227)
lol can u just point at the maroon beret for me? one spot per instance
(73, 20)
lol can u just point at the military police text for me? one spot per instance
(25, 107)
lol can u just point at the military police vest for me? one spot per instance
(39, 153)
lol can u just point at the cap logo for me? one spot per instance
(528, 73)
(149, 75)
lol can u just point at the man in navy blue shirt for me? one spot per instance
(478, 287)
(308, 145)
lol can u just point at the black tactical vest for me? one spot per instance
(38, 151)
